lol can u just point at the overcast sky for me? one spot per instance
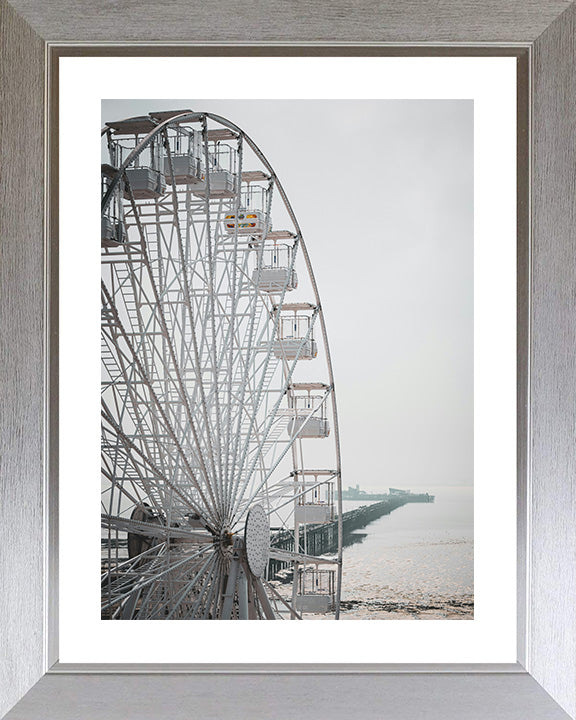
(383, 191)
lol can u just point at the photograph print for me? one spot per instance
(287, 345)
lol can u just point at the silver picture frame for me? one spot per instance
(542, 684)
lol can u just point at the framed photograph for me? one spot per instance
(510, 651)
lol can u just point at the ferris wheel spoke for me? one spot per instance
(123, 585)
(171, 597)
(225, 331)
(184, 595)
(188, 305)
(150, 436)
(211, 606)
(133, 471)
(231, 330)
(239, 415)
(246, 414)
(168, 427)
(203, 591)
(147, 529)
(263, 374)
(251, 349)
(154, 576)
(132, 563)
(161, 478)
(212, 486)
(212, 603)
(116, 479)
(211, 317)
(120, 580)
(126, 386)
(133, 403)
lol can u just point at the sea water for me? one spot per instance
(417, 562)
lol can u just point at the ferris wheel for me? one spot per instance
(220, 448)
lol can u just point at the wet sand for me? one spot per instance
(461, 608)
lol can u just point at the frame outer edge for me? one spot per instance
(225, 22)
(552, 564)
(550, 51)
(22, 356)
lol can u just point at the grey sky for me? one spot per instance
(383, 191)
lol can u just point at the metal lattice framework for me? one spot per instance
(211, 422)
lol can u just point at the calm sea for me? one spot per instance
(417, 562)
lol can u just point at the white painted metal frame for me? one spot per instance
(545, 30)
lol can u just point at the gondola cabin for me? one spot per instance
(309, 413)
(315, 496)
(274, 271)
(222, 185)
(221, 180)
(183, 166)
(309, 427)
(274, 280)
(248, 222)
(145, 183)
(295, 333)
(145, 174)
(113, 232)
(313, 513)
(316, 590)
(186, 170)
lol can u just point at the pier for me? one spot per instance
(323, 538)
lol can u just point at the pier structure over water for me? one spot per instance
(323, 538)
(356, 493)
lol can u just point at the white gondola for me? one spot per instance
(292, 348)
(249, 222)
(112, 225)
(274, 279)
(145, 183)
(315, 604)
(108, 234)
(295, 333)
(309, 427)
(313, 513)
(186, 169)
(315, 590)
(222, 179)
(274, 271)
(183, 166)
(112, 235)
(315, 505)
(145, 176)
(222, 185)
(308, 412)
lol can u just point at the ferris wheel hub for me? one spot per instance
(226, 538)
